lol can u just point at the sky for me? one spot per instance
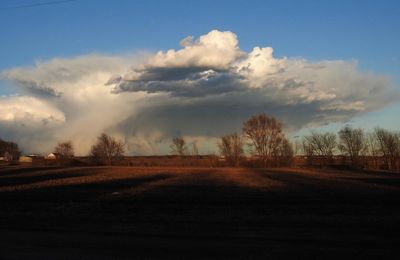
(145, 71)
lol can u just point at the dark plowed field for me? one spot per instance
(181, 213)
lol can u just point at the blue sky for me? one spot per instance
(363, 31)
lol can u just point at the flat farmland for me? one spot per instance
(201, 213)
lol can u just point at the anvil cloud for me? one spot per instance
(203, 90)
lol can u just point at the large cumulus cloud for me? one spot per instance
(205, 89)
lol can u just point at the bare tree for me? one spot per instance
(352, 143)
(10, 149)
(297, 146)
(371, 151)
(284, 153)
(307, 147)
(320, 145)
(65, 149)
(389, 146)
(195, 149)
(107, 149)
(231, 147)
(178, 146)
(265, 137)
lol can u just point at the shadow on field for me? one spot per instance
(12, 170)
(388, 181)
(78, 191)
(189, 213)
(19, 180)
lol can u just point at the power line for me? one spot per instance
(37, 4)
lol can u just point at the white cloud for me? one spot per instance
(214, 50)
(29, 110)
(205, 89)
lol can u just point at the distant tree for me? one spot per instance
(231, 147)
(178, 146)
(195, 149)
(9, 148)
(107, 150)
(284, 153)
(371, 150)
(320, 145)
(266, 137)
(307, 147)
(297, 146)
(352, 143)
(65, 149)
(389, 146)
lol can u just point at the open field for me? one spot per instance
(128, 212)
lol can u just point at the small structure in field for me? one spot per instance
(53, 156)
(6, 157)
(32, 158)
(25, 159)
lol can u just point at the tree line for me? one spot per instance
(266, 142)
(377, 149)
(9, 150)
(263, 136)
(105, 151)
